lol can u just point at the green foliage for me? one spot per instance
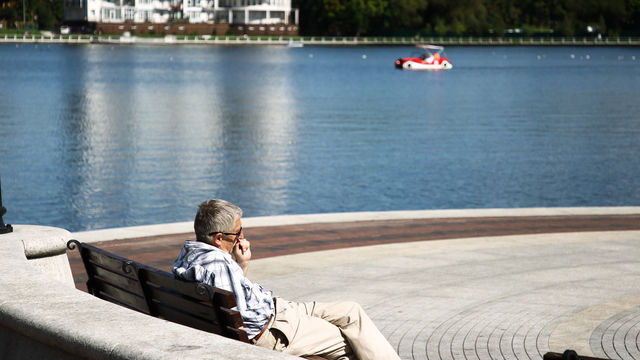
(352, 17)
(10, 12)
(468, 17)
(441, 28)
(528, 30)
(45, 13)
(406, 14)
(362, 11)
(566, 27)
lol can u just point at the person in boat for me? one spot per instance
(436, 57)
(429, 60)
(220, 257)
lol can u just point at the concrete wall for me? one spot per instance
(43, 316)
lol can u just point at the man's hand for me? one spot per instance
(242, 254)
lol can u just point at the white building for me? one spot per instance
(196, 11)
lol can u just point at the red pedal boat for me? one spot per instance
(425, 60)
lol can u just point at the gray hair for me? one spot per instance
(215, 215)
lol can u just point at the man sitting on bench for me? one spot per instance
(220, 257)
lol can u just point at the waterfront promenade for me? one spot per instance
(451, 284)
(317, 40)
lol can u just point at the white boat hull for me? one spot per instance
(412, 65)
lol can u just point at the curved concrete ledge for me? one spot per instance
(187, 227)
(45, 319)
(46, 249)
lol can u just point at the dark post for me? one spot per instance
(3, 228)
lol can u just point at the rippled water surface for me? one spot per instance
(99, 136)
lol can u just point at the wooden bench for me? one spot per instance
(158, 293)
(567, 355)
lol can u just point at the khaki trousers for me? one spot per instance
(336, 330)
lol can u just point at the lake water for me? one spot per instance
(97, 136)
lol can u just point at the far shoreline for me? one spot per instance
(77, 39)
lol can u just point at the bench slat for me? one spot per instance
(117, 279)
(225, 317)
(169, 281)
(237, 334)
(180, 317)
(119, 296)
(104, 258)
(165, 298)
(220, 296)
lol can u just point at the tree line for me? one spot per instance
(418, 17)
(469, 17)
(42, 13)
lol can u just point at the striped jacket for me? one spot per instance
(208, 264)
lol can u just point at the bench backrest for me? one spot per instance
(158, 293)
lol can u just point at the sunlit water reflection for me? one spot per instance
(99, 136)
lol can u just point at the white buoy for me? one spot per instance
(364, 56)
(573, 56)
(311, 56)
